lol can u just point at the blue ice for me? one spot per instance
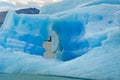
(83, 29)
(25, 32)
(86, 36)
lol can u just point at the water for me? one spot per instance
(36, 77)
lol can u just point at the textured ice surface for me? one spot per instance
(82, 29)
(100, 63)
(24, 32)
(71, 4)
(62, 6)
(87, 35)
(20, 11)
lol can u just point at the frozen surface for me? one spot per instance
(83, 29)
(24, 32)
(62, 6)
(103, 62)
(85, 35)
(71, 4)
(19, 11)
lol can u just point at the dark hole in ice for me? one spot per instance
(49, 40)
(110, 21)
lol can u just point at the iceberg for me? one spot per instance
(85, 40)
(19, 11)
(99, 63)
(82, 29)
(24, 32)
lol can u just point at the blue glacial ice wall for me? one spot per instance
(24, 32)
(87, 36)
(67, 31)
(99, 63)
(83, 29)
